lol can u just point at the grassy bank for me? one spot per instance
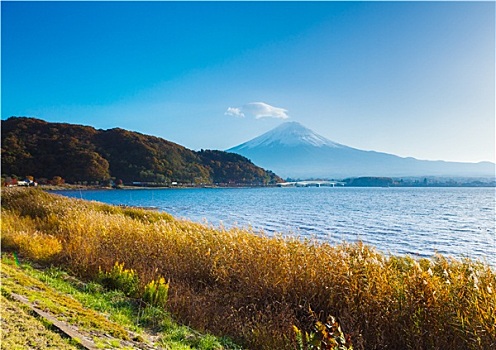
(256, 289)
(46, 308)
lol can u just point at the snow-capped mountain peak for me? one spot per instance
(292, 150)
(290, 134)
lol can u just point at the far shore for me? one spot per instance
(71, 187)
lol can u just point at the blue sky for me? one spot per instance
(408, 78)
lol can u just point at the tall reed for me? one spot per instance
(256, 288)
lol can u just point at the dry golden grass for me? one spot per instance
(255, 288)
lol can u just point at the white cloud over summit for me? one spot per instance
(257, 110)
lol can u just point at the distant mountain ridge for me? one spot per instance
(294, 151)
(82, 153)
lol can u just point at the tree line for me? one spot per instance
(79, 153)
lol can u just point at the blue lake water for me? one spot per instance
(457, 222)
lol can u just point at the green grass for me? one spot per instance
(83, 305)
(21, 330)
(252, 288)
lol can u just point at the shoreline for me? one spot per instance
(69, 187)
(270, 280)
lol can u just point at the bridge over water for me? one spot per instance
(311, 184)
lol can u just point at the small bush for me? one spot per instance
(156, 292)
(119, 278)
(33, 245)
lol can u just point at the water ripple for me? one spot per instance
(457, 222)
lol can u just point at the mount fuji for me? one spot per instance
(294, 151)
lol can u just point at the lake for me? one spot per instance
(457, 222)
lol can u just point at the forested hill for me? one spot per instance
(82, 153)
